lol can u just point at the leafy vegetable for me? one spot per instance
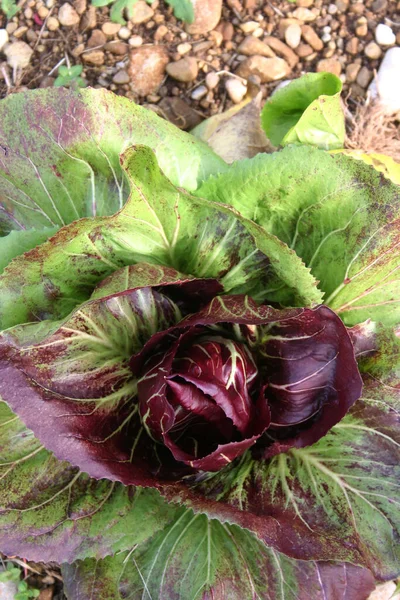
(307, 111)
(154, 337)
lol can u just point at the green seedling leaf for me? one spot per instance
(307, 111)
(9, 8)
(183, 9)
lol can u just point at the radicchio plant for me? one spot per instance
(199, 364)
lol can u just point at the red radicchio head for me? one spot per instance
(236, 374)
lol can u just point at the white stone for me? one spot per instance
(18, 55)
(293, 35)
(8, 590)
(212, 80)
(236, 90)
(184, 48)
(249, 27)
(68, 16)
(135, 41)
(124, 33)
(386, 86)
(384, 35)
(199, 92)
(385, 591)
(3, 38)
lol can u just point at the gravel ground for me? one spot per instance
(188, 73)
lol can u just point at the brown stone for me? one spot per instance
(352, 71)
(141, 12)
(207, 14)
(97, 38)
(147, 68)
(364, 77)
(185, 69)
(252, 45)
(227, 30)
(352, 46)
(116, 47)
(267, 69)
(304, 50)
(80, 6)
(331, 65)
(67, 15)
(88, 19)
(312, 38)
(283, 50)
(94, 57)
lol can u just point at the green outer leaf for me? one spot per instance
(162, 225)
(195, 558)
(183, 9)
(346, 485)
(17, 242)
(381, 162)
(340, 216)
(59, 155)
(66, 514)
(307, 111)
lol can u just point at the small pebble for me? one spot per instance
(110, 29)
(20, 32)
(236, 90)
(304, 14)
(43, 12)
(372, 51)
(293, 35)
(67, 15)
(199, 92)
(184, 48)
(249, 27)
(121, 77)
(52, 24)
(384, 35)
(185, 69)
(11, 27)
(160, 33)
(141, 12)
(332, 9)
(3, 38)
(124, 33)
(135, 41)
(212, 80)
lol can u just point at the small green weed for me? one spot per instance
(70, 77)
(13, 573)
